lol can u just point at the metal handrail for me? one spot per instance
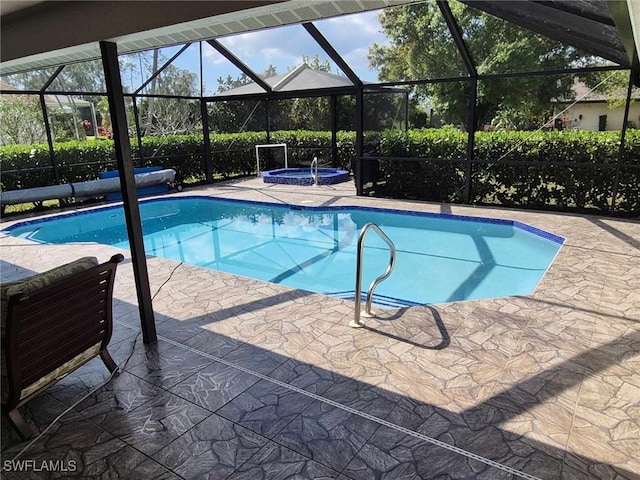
(314, 171)
(356, 323)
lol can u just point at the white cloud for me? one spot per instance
(246, 43)
(213, 57)
(357, 55)
(359, 28)
(284, 47)
(366, 23)
(359, 63)
(275, 53)
(352, 36)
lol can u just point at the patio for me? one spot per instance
(256, 380)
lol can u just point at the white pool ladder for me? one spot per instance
(356, 323)
(314, 171)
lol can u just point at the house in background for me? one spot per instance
(79, 110)
(592, 111)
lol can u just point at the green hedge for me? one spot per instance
(562, 182)
(180, 152)
(232, 155)
(559, 183)
(439, 181)
(34, 163)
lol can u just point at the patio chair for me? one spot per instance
(53, 323)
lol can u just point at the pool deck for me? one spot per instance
(254, 380)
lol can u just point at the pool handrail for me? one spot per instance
(314, 171)
(356, 323)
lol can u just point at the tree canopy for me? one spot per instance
(421, 47)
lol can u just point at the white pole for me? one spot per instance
(257, 162)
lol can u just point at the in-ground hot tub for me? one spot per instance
(302, 176)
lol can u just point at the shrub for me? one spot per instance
(517, 169)
(30, 166)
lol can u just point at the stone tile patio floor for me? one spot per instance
(253, 380)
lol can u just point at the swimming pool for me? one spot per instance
(441, 258)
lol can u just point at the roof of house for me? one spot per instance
(582, 93)
(50, 100)
(303, 77)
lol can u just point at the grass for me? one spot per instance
(30, 207)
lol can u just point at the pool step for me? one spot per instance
(378, 300)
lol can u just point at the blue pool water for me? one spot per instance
(441, 258)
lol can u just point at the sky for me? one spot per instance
(284, 47)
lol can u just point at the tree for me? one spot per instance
(421, 48)
(611, 84)
(166, 116)
(21, 121)
(238, 115)
(229, 83)
(158, 116)
(77, 77)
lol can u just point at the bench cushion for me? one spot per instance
(29, 285)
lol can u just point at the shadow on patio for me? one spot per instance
(201, 403)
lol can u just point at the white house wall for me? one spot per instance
(591, 113)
